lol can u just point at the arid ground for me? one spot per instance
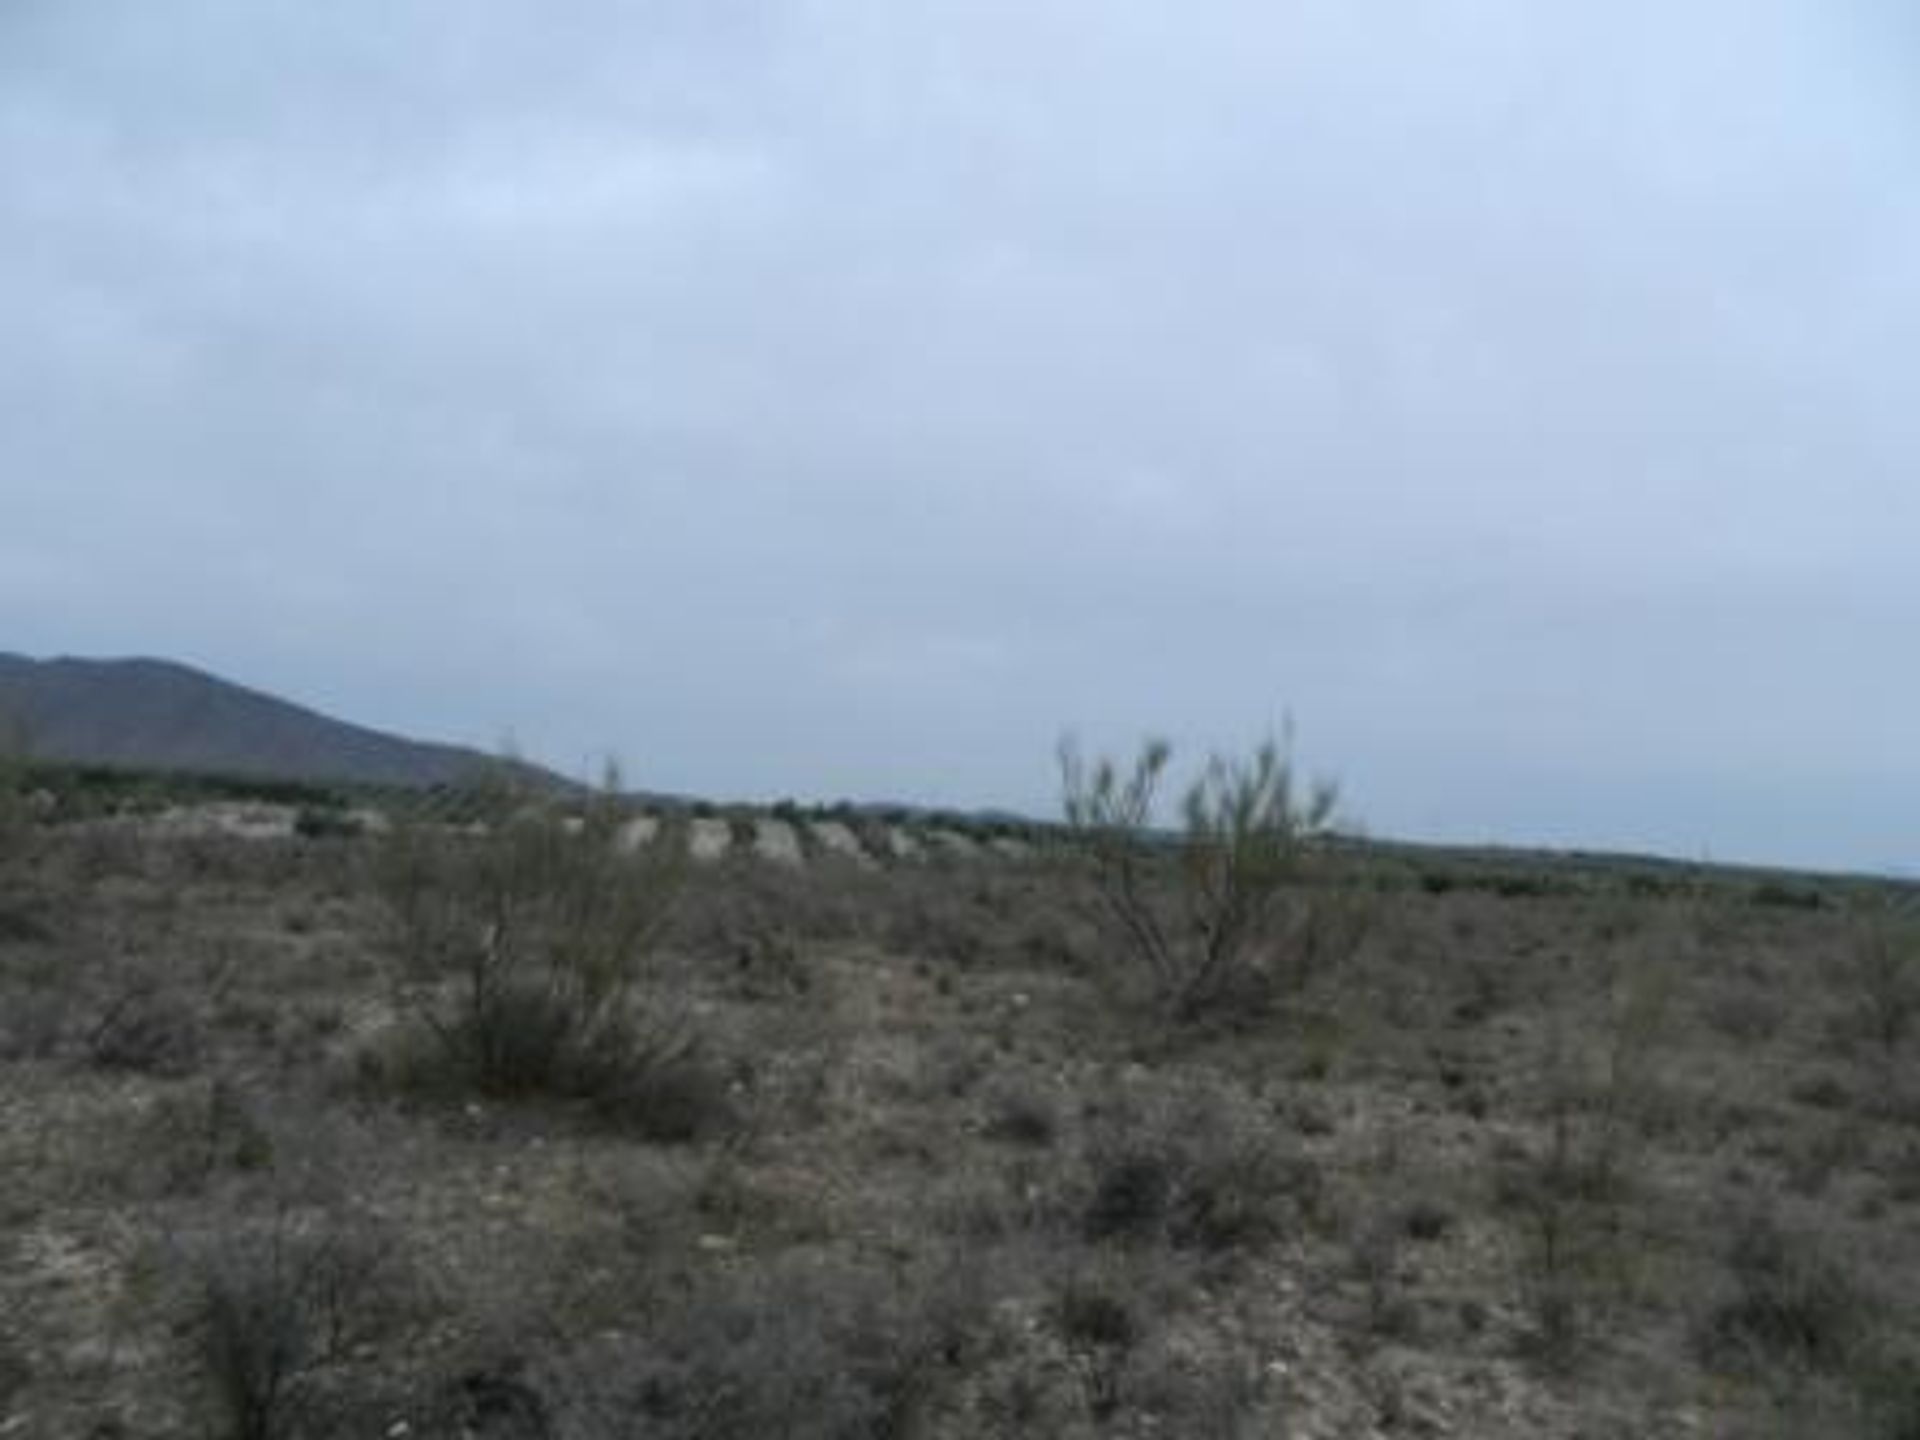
(900, 1145)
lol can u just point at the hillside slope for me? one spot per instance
(161, 715)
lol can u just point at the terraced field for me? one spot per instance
(791, 841)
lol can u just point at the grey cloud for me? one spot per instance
(843, 397)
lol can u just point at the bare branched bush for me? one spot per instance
(523, 944)
(282, 1304)
(1597, 1088)
(1237, 930)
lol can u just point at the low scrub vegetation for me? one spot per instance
(483, 1123)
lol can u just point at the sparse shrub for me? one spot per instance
(1133, 1194)
(325, 822)
(498, 1402)
(148, 1028)
(20, 926)
(1089, 1312)
(1248, 827)
(16, 1371)
(1523, 885)
(15, 810)
(804, 1350)
(1828, 1149)
(1208, 1397)
(1020, 1113)
(1887, 1388)
(200, 1130)
(1425, 1220)
(525, 949)
(1374, 1256)
(939, 924)
(1780, 894)
(1787, 1301)
(1047, 942)
(670, 1093)
(1748, 1014)
(1884, 976)
(768, 964)
(1196, 1173)
(1822, 1090)
(1572, 1198)
(34, 1020)
(284, 1303)
(1330, 926)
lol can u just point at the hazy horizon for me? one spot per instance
(841, 400)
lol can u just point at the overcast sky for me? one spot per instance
(844, 397)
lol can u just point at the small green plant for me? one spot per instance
(1248, 828)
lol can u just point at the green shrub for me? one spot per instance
(1248, 828)
(524, 947)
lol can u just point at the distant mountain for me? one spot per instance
(155, 714)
